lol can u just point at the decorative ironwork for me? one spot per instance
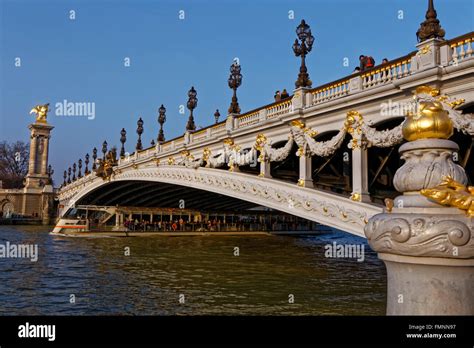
(217, 115)
(235, 80)
(86, 171)
(123, 139)
(161, 121)
(79, 164)
(69, 175)
(453, 194)
(94, 159)
(104, 148)
(74, 172)
(50, 171)
(139, 132)
(192, 103)
(430, 27)
(303, 31)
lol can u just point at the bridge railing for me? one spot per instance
(459, 49)
(453, 52)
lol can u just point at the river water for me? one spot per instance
(204, 272)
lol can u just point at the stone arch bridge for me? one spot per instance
(327, 154)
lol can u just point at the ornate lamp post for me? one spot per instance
(86, 171)
(65, 178)
(79, 175)
(192, 103)
(217, 115)
(123, 139)
(69, 175)
(94, 158)
(50, 173)
(139, 132)
(235, 80)
(303, 31)
(104, 149)
(74, 172)
(161, 121)
(430, 28)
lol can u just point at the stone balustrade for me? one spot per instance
(461, 48)
(454, 51)
(329, 92)
(279, 109)
(386, 73)
(248, 119)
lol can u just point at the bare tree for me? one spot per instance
(13, 163)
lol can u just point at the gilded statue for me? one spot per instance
(41, 112)
(105, 168)
(453, 194)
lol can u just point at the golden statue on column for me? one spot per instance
(41, 112)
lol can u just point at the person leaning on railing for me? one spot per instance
(366, 62)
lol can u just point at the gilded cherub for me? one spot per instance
(41, 112)
(452, 193)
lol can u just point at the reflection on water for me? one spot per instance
(203, 269)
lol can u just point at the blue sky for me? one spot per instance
(82, 60)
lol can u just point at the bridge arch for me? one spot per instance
(6, 208)
(315, 205)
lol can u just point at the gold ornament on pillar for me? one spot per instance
(206, 153)
(430, 121)
(260, 143)
(356, 197)
(41, 112)
(452, 193)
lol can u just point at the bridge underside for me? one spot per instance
(158, 194)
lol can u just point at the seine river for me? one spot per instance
(268, 273)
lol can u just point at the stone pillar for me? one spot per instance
(187, 137)
(427, 248)
(33, 146)
(230, 123)
(305, 173)
(265, 169)
(38, 163)
(360, 175)
(45, 155)
(299, 100)
(355, 85)
(428, 55)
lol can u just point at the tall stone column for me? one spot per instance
(427, 247)
(38, 192)
(33, 146)
(39, 148)
(45, 155)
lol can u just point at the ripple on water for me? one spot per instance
(204, 270)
